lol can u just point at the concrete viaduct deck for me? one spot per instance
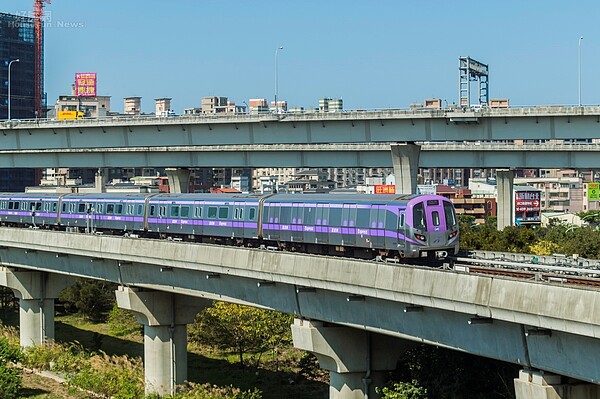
(346, 310)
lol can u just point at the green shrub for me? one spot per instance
(10, 377)
(122, 322)
(208, 391)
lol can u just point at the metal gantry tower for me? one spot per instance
(38, 15)
(471, 70)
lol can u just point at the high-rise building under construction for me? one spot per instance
(17, 42)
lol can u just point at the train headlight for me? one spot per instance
(452, 235)
(420, 237)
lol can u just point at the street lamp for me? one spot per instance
(580, 39)
(277, 79)
(9, 65)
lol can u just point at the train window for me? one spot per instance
(236, 214)
(118, 209)
(174, 211)
(450, 216)
(241, 213)
(335, 216)
(198, 212)
(185, 212)
(140, 209)
(81, 208)
(223, 212)
(110, 209)
(419, 217)
(32, 206)
(435, 218)
(162, 211)
(252, 214)
(72, 207)
(212, 212)
(10, 204)
(433, 202)
(100, 208)
(54, 206)
(64, 207)
(401, 221)
(285, 216)
(309, 216)
(24, 206)
(152, 210)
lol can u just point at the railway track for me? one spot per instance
(555, 269)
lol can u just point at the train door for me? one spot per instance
(349, 224)
(297, 219)
(273, 220)
(436, 222)
(401, 240)
(322, 225)
(376, 219)
(238, 219)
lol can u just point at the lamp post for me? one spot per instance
(9, 65)
(277, 79)
(580, 39)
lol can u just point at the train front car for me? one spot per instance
(431, 227)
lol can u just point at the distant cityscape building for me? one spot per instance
(132, 105)
(258, 105)
(17, 43)
(163, 106)
(331, 105)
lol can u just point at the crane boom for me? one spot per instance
(38, 14)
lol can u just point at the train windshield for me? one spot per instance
(450, 215)
(419, 217)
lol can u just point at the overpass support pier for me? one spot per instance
(506, 213)
(164, 316)
(179, 180)
(36, 292)
(405, 158)
(539, 385)
(357, 360)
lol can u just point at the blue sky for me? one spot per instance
(373, 54)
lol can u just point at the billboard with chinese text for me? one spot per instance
(385, 189)
(527, 207)
(85, 84)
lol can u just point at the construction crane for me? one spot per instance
(38, 79)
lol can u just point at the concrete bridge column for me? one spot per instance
(36, 292)
(405, 158)
(179, 180)
(540, 385)
(504, 182)
(357, 360)
(164, 317)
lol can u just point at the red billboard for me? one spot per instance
(385, 189)
(527, 201)
(85, 84)
(527, 207)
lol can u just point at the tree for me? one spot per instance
(10, 377)
(92, 298)
(403, 390)
(242, 329)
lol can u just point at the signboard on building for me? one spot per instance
(385, 189)
(85, 84)
(593, 191)
(527, 207)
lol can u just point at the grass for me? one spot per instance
(276, 379)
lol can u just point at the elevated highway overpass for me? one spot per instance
(347, 311)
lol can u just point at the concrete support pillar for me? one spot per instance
(179, 180)
(540, 385)
(504, 182)
(101, 180)
(405, 158)
(356, 359)
(36, 292)
(164, 317)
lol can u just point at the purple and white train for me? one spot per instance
(362, 226)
